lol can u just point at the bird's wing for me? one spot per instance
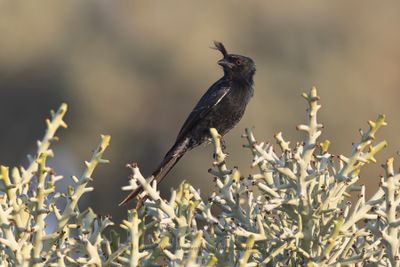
(206, 103)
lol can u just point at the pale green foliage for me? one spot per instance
(295, 209)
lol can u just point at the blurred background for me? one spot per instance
(135, 70)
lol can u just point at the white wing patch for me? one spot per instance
(219, 100)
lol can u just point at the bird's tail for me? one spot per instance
(169, 161)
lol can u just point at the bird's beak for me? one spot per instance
(225, 63)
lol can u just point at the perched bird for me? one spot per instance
(221, 107)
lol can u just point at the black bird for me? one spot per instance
(221, 107)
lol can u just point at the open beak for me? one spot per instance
(225, 63)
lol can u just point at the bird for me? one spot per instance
(221, 107)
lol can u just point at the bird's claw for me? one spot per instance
(223, 145)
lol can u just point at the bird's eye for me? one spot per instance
(239, 62)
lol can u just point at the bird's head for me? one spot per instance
(237, 66)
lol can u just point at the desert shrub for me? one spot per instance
(294, 210)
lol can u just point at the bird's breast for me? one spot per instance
(230, 110)
(223, 116)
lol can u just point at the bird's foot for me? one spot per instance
(223, 146)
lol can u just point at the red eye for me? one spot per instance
(239, 62)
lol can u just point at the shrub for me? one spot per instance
(295, 209)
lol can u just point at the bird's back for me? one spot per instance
(221, 107)
(203, 112)
(230, 109)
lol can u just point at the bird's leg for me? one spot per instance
(140, 202)
(223, 145)
(223, 148)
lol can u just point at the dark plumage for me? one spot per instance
(221, 107)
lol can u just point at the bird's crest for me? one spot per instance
(220, 47)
